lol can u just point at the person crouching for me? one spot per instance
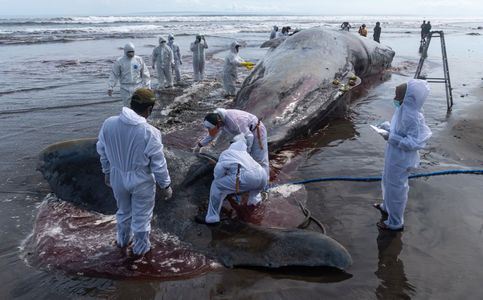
(235, 172)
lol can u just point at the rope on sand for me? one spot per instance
(309, 218)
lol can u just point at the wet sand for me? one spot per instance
(435, 257)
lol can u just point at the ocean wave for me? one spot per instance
(68, 29)
(33, 89)
(221, 18)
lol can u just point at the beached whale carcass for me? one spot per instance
(292, 87)
(74, 174)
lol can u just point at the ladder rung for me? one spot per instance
(446, 80)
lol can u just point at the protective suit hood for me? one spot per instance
(233, 47)
(238, 146)
(161, 40)
(222, 113)
(409, 131)
(239, 143)
(416, 93)
(130, 117)
(128, 47)
(170, 36)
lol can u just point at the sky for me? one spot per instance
(451, 8)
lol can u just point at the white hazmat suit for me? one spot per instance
(273, 34)
(176, 56)
(198, 48)
(163, 61)
(233, 163)
(230, 74)
(239, 121)
(408, 134)
(131, 153)
(131, 72)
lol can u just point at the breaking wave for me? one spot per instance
(67, 29)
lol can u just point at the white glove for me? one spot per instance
(385, 125)
(197, 148)
(166, 193)
(385, 135)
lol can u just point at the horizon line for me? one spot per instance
(227, 13)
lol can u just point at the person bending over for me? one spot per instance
(235, 172)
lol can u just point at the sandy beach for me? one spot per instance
(435, 257)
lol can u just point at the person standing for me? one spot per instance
(131, 72)
(132, 159)
(163, 62)
(234, 121)
(273, 34)
(235, 172)
(345, 26)
(428, 28)
(198, 48)
(377, 32)
(230, 74)
(176, 56)
(408, 133)
(423, 30)
(363, 30)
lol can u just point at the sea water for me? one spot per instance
(53, 84)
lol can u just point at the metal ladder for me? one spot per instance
(446, 80)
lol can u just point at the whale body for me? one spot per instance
(262, 237)
(292, 88)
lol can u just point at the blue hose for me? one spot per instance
(379, 178)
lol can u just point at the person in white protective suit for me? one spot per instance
(176, 56)
(235, 172)
(234, 121)
(163, 61)
(198, 48)
(230, 74)
(131, 72)
(273, 34)
(132, 159)
(407, 134)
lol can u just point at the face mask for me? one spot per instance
(213, 131)
(397, 103)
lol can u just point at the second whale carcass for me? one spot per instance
(303, 77)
